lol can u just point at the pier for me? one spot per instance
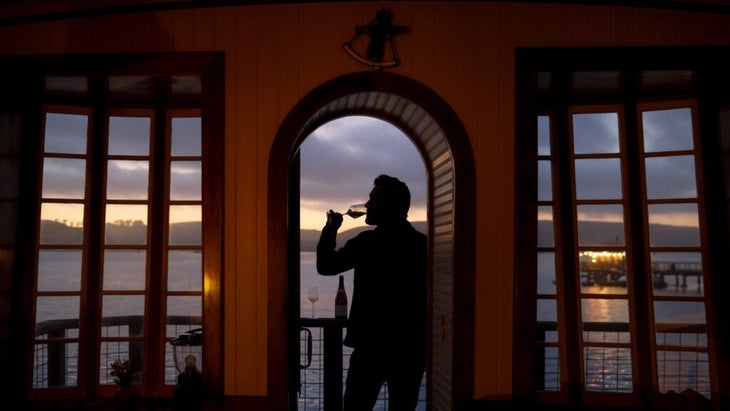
(664, 274)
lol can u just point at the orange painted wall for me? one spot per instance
(275, 54)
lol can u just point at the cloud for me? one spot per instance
(340, 160)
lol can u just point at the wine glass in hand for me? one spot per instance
(356, 210)
(313, 297)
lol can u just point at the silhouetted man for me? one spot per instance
(387, 322)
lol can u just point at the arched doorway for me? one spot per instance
(440, 137)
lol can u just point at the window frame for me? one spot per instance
(30, 99)
(533, 100)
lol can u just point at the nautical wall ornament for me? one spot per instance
(379, 52)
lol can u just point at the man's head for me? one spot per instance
(389, 201)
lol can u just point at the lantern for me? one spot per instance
(187, 353)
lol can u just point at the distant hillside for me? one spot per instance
(54, 232)
(309, 238)
(600, 233)
(590, 233)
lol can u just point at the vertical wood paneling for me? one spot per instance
(403, 16)
(444, 44)
(668, 23)
(556, 27)
(266, 109)
(623, 26)
(203, 31)
(490, 26)
(225, 40)
(466, 68)
(424, 55)
(310, 50)
(535, 32)
(646, 26)
(288, 43)
(600, 26)
(329, 40)
(183, 29)
(578, 23)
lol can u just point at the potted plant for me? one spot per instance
(126, 379)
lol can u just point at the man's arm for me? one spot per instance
(329, 260)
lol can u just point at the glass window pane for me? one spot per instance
(126, 224)
(543, 135)
(185, 225)
(676, 314)
(64, 178)
(677, 274)
(596, 81)
(127, 309)
(186, 85)
(674, 225)
(600, 225)
(188, 306)
(545, 228)
(546, 273)
(682, 370)
(127, 180)
(550, 358)
(603, 272)
(129, 136)
(186, 140)
(58, 309)
(185, 270)
(125, 269)
(61, 223)
(595, 133)
(185, 180)
(67, 85)
(667, 130)
(544, 181)
(608, 369)
(604, 310)
(66, 133)
(598, 179)
(131, 85)
(59, 270)
(671, 177)
(547, 310)
(112, 351)
(654, 80)
(55, 365)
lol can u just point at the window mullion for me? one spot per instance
(157, 252)
(94, 241)
(638, 291)
(566, 241)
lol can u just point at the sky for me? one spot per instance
(340, 160)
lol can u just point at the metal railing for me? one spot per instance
(682, 348)
(682, 358)
(56, 356)
(324, 364)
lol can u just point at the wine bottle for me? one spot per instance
(341, 300)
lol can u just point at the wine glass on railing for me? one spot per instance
(313, 297)
(356, 210)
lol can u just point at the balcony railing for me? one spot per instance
(324, 361)
(56, 357)
(324, 366)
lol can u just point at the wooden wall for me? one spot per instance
(274, 54)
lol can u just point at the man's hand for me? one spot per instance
(334, 219)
